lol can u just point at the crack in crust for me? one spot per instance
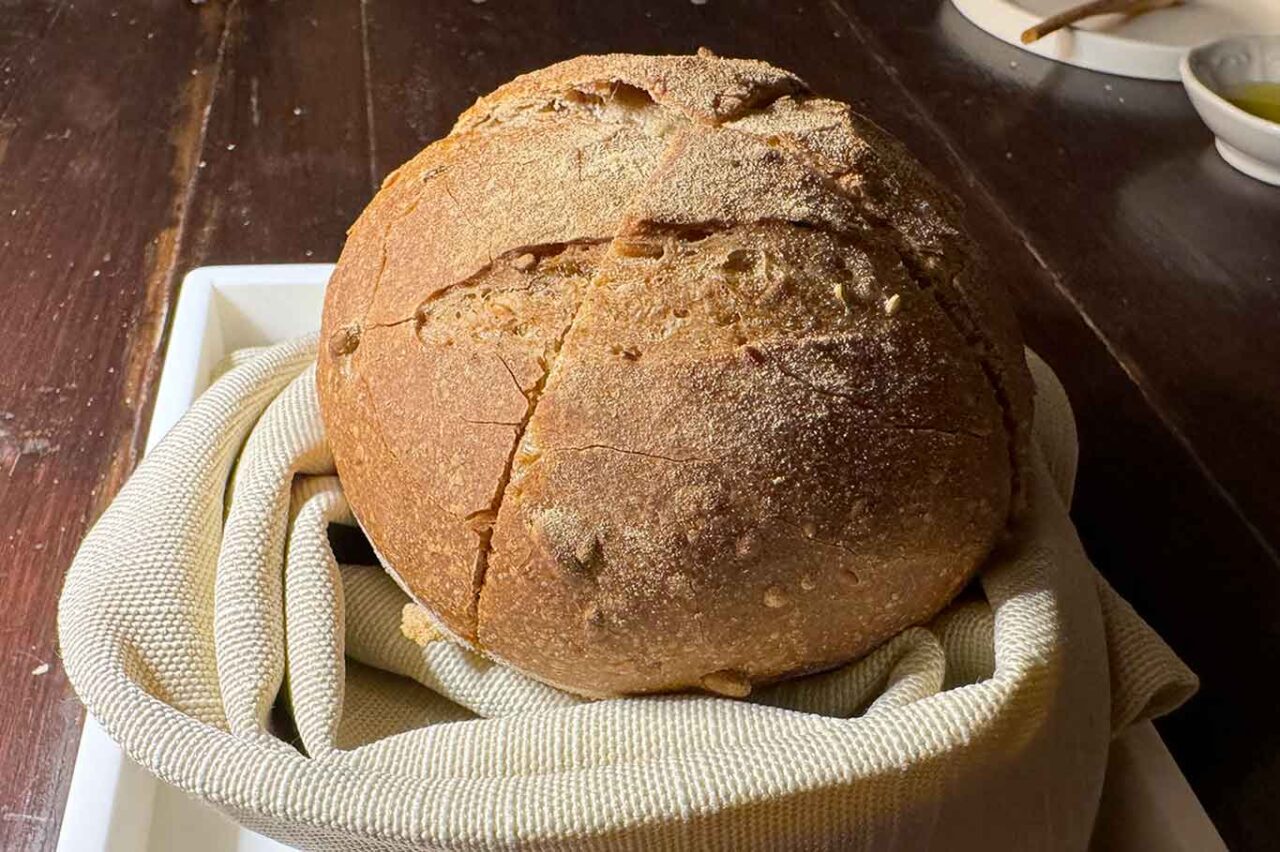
(477, 278)
(382, 265)
(489, 517)
(582, 83)
(515, 381)
(820, 542)
(583, 98)
(490, 422)
(630, 452)
(981, 346)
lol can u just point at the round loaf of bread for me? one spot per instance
(662, 373)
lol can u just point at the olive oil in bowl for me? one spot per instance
(1260, 98)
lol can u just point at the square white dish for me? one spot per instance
(115, 805)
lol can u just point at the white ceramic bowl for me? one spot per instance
(1246, 141)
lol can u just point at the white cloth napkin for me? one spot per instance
(209, 584)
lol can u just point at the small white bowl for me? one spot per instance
(1246, 141)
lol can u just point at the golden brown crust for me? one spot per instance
(921, 222)
(703, 88)
(659, 372)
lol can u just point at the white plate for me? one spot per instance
(115, 805)
(1148, 46)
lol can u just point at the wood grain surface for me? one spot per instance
(101, 126)
(139, 139)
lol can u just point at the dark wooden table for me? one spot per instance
(140, 139)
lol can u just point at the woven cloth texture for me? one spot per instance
(209, 587)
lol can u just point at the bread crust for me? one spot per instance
(660, 372)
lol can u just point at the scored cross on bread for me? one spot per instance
(662, 372)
